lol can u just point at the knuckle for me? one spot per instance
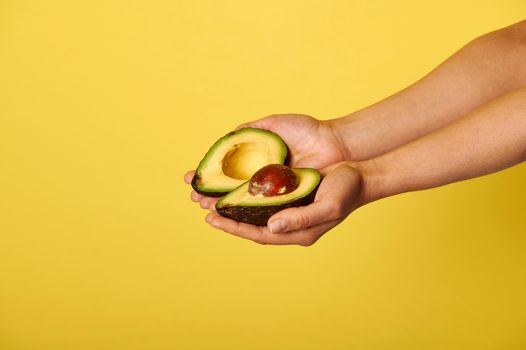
(307, 242)
(260, 240)
(336, 210)
(303, 221)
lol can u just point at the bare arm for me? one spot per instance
(490, 139)
(486, 68)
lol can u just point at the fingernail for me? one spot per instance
(277, 226)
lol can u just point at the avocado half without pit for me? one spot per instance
(246, 166)
(234, 158)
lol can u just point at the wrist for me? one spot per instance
(344, 131)
(375, 181)
(360, 134)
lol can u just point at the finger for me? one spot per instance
(252, 232)
(304, 237)
(208, 203)
(299, 218)
(334, 200)
(196, 197)
(263, 123)
(262, 235)
(308, 237)
(242, 126)
(189, 176)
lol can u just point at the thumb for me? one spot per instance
(263, 123)
(335, 199)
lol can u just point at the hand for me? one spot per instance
(312, 143)
(338, 195)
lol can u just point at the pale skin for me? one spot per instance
(466, 118)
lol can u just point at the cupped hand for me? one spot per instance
(312, 143)
(338, 195)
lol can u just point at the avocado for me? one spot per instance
(234, 158)
(242, 206)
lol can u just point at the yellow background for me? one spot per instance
(105, 104)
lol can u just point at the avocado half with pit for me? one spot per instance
(242, 206)
(234, 158)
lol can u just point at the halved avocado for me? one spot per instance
(234, 158)
(241, 206)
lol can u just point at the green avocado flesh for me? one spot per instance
(234, 158)
(241, 206)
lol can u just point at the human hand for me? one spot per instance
(312, 143)
(339, 193)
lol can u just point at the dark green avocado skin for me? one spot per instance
(195, 179)
(259, 215)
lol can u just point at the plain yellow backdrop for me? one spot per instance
(105, 104)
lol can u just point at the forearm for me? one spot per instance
(483, 70)
(488, 140)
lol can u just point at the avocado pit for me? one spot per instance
(273, 180)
